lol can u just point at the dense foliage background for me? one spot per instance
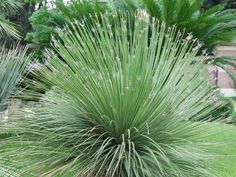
(37, 21)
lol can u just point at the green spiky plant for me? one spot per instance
(120, 105)
(12, 65)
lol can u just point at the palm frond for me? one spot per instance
(79, 9)
(122, 99)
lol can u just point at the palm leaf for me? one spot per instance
(154, 8)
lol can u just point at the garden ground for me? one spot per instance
(227, 159)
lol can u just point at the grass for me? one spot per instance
(227, 159)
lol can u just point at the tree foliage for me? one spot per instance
(45, 21)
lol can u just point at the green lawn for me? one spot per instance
(227, 160)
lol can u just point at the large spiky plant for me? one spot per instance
(12, 65)
(121, 105)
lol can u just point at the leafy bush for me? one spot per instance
(45, 21)
(119, 107)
